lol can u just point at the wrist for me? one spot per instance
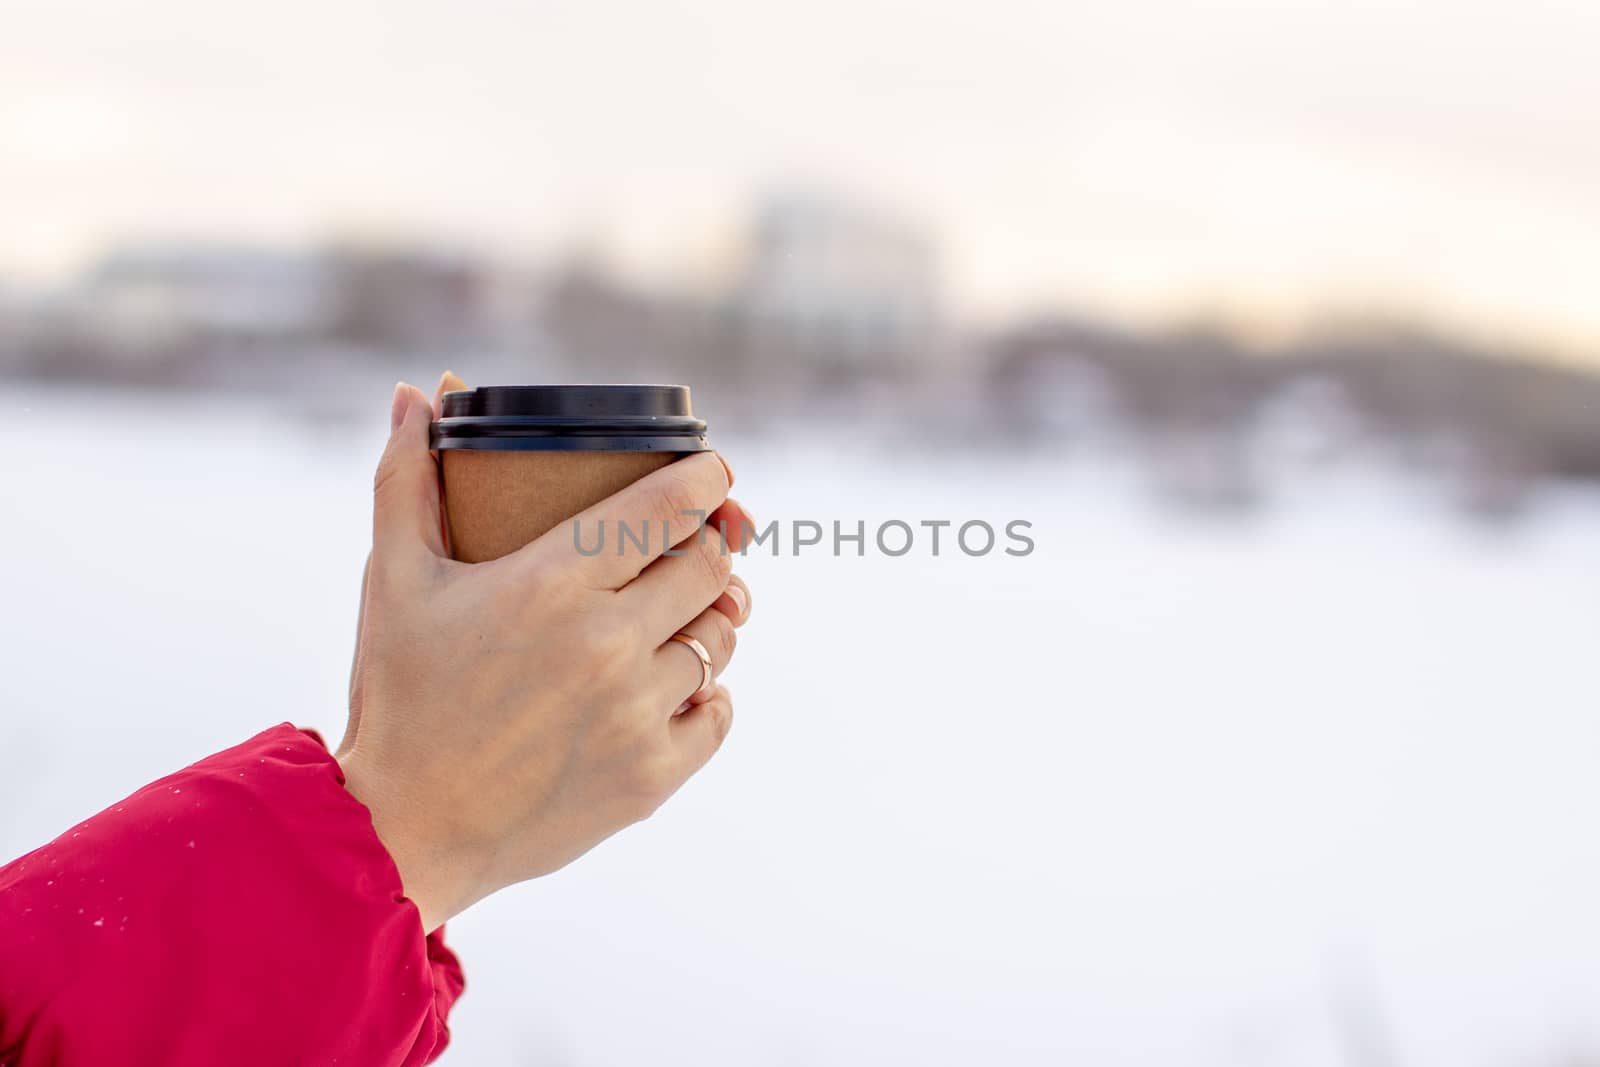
(434, 875)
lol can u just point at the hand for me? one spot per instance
(508, 716)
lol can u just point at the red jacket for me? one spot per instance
(241, 911)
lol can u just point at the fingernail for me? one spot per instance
(397, 410)
(741, 599)
(726, 466)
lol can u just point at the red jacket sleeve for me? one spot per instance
(241, 911)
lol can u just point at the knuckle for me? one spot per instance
(604, 645)
(534, 589)
(522, 602)
(672, 497)
(724, 638)
(720, 714)
(543, 590)
(713, 557)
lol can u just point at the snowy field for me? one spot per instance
(1313, 788)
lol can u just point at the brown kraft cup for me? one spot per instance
(519, 460)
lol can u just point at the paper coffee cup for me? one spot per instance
(519, 460)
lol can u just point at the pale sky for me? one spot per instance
(1438, 158)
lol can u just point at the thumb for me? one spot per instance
(405, 492)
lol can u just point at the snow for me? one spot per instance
(1311, 787)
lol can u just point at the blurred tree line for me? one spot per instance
(1221, 419)
(793, 333)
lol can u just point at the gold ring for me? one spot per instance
(707, 682)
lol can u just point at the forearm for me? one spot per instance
(240, 911)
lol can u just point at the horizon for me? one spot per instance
(1262, 336)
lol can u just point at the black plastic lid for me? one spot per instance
(570, 418)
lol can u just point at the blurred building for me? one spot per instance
(144, 299)
(607, 329)
(837, 288)
(409, 297)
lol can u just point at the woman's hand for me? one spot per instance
(508, 716)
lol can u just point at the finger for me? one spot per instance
(678, 586)
(676, 670)
(659, 510)
(735, 601)
(700, 731)
(405, 506)
(449, 382)
(732, 520)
